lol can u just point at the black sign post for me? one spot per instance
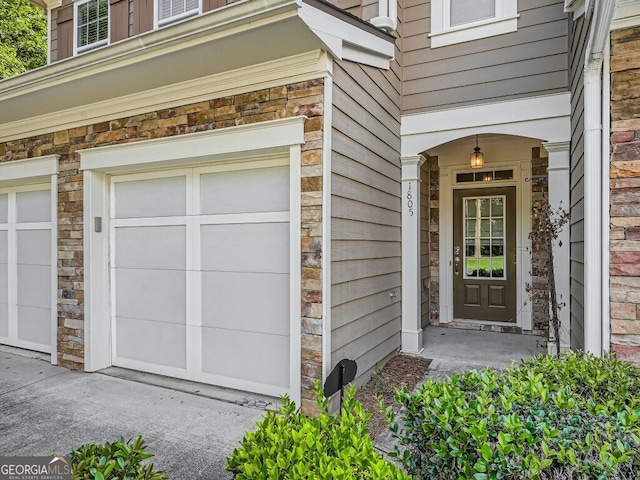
(344, 373)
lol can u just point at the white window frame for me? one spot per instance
(157, 23)
(90, 46)
(442, 33)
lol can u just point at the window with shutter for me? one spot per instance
(91, 24)
(172, 10)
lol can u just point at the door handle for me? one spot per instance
(456, 260)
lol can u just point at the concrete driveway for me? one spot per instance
(47, 410)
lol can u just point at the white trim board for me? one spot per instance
(219, 148)
(302, 67)
(544, 117)
(29, 170)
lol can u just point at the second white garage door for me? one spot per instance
(200, 274)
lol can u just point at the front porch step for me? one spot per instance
(484, 327)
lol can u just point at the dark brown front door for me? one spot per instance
(484, 254)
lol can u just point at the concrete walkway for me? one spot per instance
(47, 410)
(453, 350)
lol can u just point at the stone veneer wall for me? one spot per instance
(303, 98)
(625, 194)
(434, 239)
(539, 192)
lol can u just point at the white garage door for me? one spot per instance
(26, 293)
(200, 275)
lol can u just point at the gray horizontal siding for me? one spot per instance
(365, 211)
(531, 61)
(578, 36)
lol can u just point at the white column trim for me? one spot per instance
(411, 301)
(559, 188)
(592, 208)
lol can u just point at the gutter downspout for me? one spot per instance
(594, 167)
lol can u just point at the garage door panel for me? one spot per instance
(4, 319)
(4, 247)
(34, 286)
(162, 247)
(151, 294)
(249, 356)
(246, 302)
(245, 191)
(4, 283)
(4, 208)
(34, 324)
(34, 247)
(151, 342)
(256, 247)
(158, 197)
(33, 206)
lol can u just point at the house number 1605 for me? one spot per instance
(410, 200)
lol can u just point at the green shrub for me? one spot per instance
(114, 461)
(577, 417)
(290, 445)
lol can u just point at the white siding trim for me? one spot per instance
(194, 148)
(30, 170)
(545, 117)
(411, 339)
(327, 327)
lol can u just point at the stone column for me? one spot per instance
(411, 302)
(559, 187)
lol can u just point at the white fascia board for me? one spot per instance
(346, 41)
(28, 169)
(196, 147)
(227, 21)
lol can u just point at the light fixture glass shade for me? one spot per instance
(477, 158)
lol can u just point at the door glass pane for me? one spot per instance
(33, 206)
(484, 237)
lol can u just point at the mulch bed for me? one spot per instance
(401, 371)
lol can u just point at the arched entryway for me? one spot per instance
(466, 254)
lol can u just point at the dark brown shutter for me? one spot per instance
(119, 20)
(142, 16)
(64, 22)
(208, 5)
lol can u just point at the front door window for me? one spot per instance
(484, 237)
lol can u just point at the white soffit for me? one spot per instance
(211, 55)
(545, 117)
(347, 41)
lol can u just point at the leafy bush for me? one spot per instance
(290, 445)
(576, 417)
(114, 461)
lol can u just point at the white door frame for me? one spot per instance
(230, 145)
(521, 171)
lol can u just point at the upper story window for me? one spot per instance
(457, 21)
(92, 24)
(172, 10)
